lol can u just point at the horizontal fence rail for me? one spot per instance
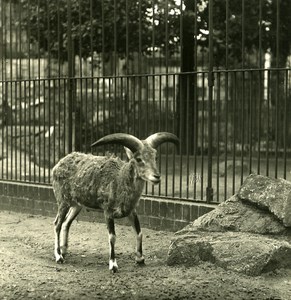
(71, 75)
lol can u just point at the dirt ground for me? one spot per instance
(28, 269)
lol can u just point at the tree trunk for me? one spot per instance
(185, 96)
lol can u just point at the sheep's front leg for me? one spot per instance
(112, 237)
(136, 226)
(62, 212)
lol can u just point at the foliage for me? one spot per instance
(106, 26)
(244, 27)
(128, 26)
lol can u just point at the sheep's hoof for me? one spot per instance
(59, 259)
(114, 270)
(113, 267)
(140, 260)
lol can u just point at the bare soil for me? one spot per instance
(28, 269)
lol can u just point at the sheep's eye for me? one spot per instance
(138, 159)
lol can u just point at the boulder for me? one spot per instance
(247, 253)
(235, 215)
(244, 233)
(270, 194)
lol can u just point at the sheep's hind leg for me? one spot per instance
(133, 218)
(70, 217)
(62, 212)
(113, 267)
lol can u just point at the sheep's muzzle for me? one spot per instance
(155, 178)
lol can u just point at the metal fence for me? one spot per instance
(216, 73)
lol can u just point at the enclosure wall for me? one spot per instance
(154, 213)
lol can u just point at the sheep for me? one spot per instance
(107, 183)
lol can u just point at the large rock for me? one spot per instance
(235, 215)
(268, 193)
(246, 253)
(240, 233)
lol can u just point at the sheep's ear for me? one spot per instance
(129, 153)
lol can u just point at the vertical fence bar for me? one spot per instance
(218, 121)
(260, 32)
(250, 131)
(53, 155)
(3, 66)
(92, 70)
(166, 89)
(14, 145)
(180, 108)
(84, 142)
(159, 126)
(209, 189)
(242, 99)
(234, 130)
(60, 83)
(85, 104)
(194, 175)
(285, 134)
(187, 135)
(8, 116)
(226, 94)
(242, 125)
(39, 81)
(139, 68)
(20, 50)
(79, 85)
(70, 79)
(115, 13)
(174, 129)
(202, 131)
(31, 98)
(34, 126)
(277, 96)
(268, 121)
(12, 103)
(259, 124)
(260, 66)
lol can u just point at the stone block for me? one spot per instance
(247, 253)
(235, 215)
(270, 194)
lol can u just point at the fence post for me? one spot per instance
(70, 86)
(209, 188)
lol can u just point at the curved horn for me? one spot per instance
(157, 139)
(124, 139)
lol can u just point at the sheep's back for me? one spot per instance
(85, 175)
(70, 164)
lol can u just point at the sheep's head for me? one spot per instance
(142, 152)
